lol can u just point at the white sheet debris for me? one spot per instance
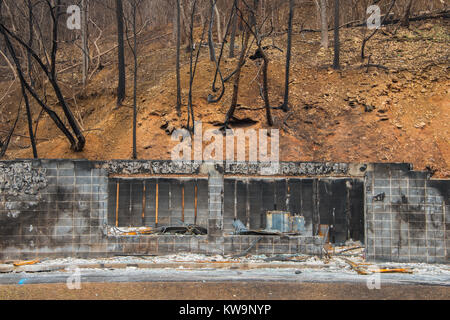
(334, 264)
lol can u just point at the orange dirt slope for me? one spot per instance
(352, 115)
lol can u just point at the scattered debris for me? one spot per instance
(239, 226)
(245, 252)
(285, 222)
(296, 263)
(356, 267)
(136, 255)
(25, 263)
(290, 258)
(401, 270)
(184, 229)
(187, 230)
(349, 249)
(241, 229)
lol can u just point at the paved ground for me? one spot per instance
(135, 283)
(132, 274)
(190, 277)
(222, 291)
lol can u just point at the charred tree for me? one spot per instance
(251, 27)
(30, 121)
(84, 40)
(135, 4)
(50, 73)
(190, 108)
(212, 99)
(219, 24)
(25, 85)
(178, 31)
(193, 67)
(337, 44)
(233, 31)
(266, 89)
(324, 23)
(237, 77)
(261, 53)
(363, 46)
(30, 41)
(212, 51)
(121, 53)
(285, 105)
(407, 14)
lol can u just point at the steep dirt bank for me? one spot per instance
(353, 115)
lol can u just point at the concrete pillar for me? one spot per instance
(215, 202)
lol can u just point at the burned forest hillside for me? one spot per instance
(391, 106)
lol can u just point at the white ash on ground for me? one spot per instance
(344, 263)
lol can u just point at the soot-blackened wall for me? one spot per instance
(51, 208)
(64, 208)
(407, 215)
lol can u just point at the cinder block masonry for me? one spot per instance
(64, 208)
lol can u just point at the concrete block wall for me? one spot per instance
(407, 217)
(273, 245)
(51, 208)
(59, 208)
(228, 245)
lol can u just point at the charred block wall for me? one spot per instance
(60, 208)
(51, 208)
(407, 215)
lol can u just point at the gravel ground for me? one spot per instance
(223, 291)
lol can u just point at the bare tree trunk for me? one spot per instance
(266, 88)
(50, 112)
(212, 99)
(363, 46)
(30, 121)
(212, 51)
(285, 105)
(219, 24)
(185, 25)
(336, 64)
(324, 23)
(135, 82)
(29, 69)
(193, 67)
(4, 145)
(84, 40)
(51, 76)
(265, 67)
(233, 33)
(406, 15)
(30, 41)
(178, 31)
(237, 78)
(55, 19)
(121, 53)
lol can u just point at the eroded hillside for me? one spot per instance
(398, 112)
